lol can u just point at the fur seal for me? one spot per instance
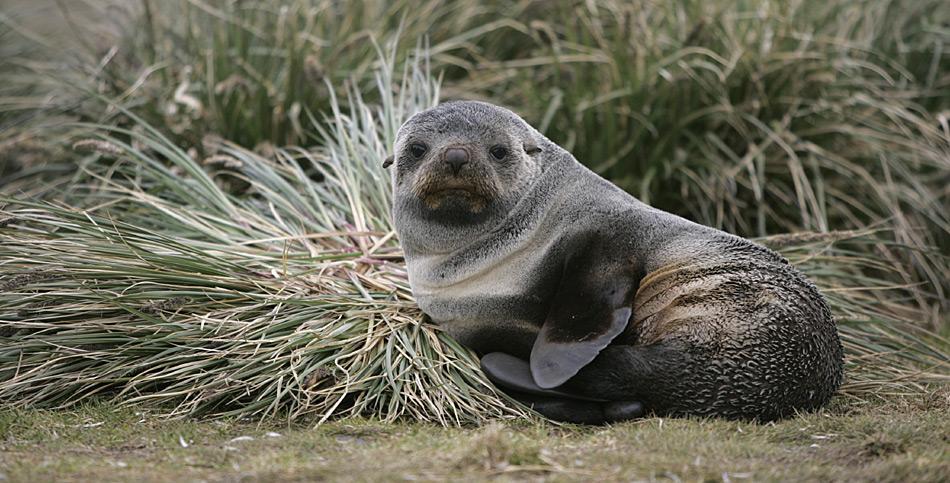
(586, 302)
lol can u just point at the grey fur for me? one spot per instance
(538, 244)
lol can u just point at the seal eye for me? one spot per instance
(417, 150)
(499, 152)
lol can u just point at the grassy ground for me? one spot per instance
(896, 439)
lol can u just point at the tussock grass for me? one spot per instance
(758, 117)
(249, 71)
(287, 301)
(887, 349)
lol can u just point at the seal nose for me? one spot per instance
(456, 157)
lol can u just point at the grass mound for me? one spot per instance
(157, 286)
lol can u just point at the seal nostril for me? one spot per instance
(456, 157)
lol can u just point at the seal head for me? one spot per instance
(456, 175)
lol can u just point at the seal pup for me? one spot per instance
(587, 303)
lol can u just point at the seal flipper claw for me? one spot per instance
(514, 374)
(616, 411)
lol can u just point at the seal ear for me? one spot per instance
(531, 148)
(388, 161)
(591, 307)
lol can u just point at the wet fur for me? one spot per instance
(720, 326)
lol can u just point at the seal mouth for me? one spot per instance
(469, 194)
(466, 191)
(441, 196)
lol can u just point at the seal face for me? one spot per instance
(465, 176)
(514, 247)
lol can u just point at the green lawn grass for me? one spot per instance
(893, 439)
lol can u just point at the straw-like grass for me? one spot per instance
(157, 286)
(887, 351)
(290, 300)
(248, 71)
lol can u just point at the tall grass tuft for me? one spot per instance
(887, 351)
(156, 286)
(250, 71)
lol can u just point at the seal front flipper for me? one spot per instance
(556, 358)
(591, 308)
(514, 374)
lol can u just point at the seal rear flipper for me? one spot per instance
(511, 373)
(565, 410)
(582, 412)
